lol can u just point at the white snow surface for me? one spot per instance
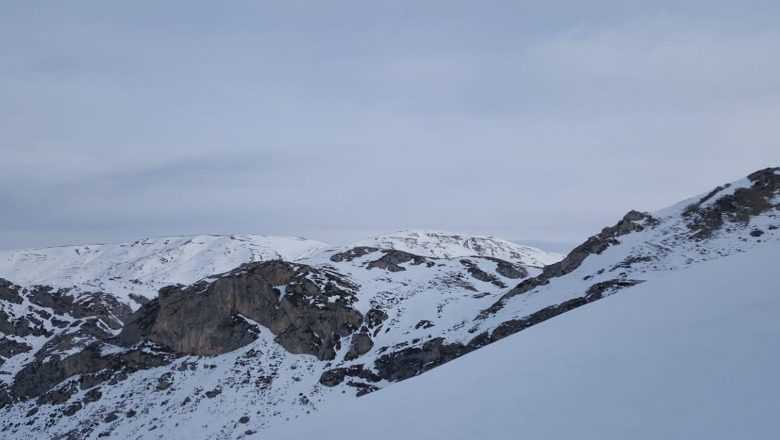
(451, 245)
(694, 354)
(144, 266)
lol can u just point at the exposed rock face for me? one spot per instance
(360, 344)
(412, 361)
(307, 309)
(392, 260)
(353, 253)
(39, 377)
(633, 221)
(375, 317)
(738, 207)
(9, 292)
(75, 326)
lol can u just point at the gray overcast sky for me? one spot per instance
(334, 120)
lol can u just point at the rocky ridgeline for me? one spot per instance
(730, 212)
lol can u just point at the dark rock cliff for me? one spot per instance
(307, 309)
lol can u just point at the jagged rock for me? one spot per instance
(392, 260)
(738, 207)
(309, 314)
(88, 331)
(100, 305)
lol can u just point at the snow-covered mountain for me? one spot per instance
(449, 245)
(245, 352)
(134, 271)
(692, 354)
(138, 269)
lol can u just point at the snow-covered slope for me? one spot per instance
(143, 266)
(450, 245)
(265, 345)
(694, 354)
(411, 298)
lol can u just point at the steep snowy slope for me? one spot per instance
(450, 245)
(694, 354)
(143, 266)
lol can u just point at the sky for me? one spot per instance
(531, 121)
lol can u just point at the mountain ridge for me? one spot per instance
(340, 323)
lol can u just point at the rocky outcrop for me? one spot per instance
(307, 309)
(710, 214)
(412, 361)
(360, 344)
(10, 348)
(353, 253)
(41, 376)
(23, 326)
(375, 317)
(335, 376)
(90, 304)
(392, 260)
(633, 221)
(10, 292)
(480, 274)
(509, 270)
